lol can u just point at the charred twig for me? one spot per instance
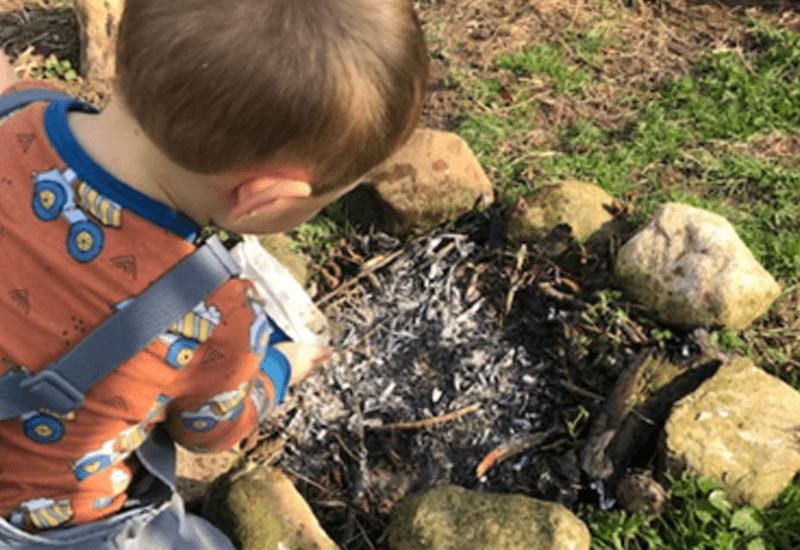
(311, 482)
(427, 422)
(549, 290)
(364, 534)
(506, 451)
(367, 270)
(567, 385)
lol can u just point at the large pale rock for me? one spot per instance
(452, 518)
(583, 206)
(260, 509)
(689, 266)
(742, 429)
(279, 245)
(432, 179)
(197, 471)
(98, 21)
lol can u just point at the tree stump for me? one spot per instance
(98, 21)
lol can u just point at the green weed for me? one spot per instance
(316, 237)
(55, 68)
(700, 517)
(548, 60)
(730, 97)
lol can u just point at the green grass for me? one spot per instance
(545, 59)
(700, 517)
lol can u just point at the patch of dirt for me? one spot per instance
(30, 32)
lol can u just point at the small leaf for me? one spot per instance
(706, 484)
(747, 521)
(704, 516)
(70, 75)
(756, 544)
(719, 500)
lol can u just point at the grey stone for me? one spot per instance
(583, 206)
(259, 509)
(280, 246)
(742, 429)
(691, 269)
(452, 518)
(432, 179)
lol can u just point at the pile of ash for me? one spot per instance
(452, 369)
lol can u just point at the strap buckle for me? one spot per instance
(57, 394)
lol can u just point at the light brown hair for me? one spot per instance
(335, 85)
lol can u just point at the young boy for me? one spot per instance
(249, 115)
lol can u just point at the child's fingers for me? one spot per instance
(303, 358)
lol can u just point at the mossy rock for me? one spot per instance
(258, 508)
(452, 518)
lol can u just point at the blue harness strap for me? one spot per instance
(60, 386)
(16, 100)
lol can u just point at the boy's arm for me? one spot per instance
(7, 74)
(213, 419)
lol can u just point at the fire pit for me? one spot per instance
(457, 365)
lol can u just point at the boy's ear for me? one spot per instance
(258, 192)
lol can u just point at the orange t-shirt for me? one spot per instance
(75, 245)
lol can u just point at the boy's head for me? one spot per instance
(332, 86)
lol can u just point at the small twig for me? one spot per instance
(427, 422)
(506, 451)
(567, 385)
(364, 273)
(364, 533)
(642, 417)
(347, 450)
(301, 477)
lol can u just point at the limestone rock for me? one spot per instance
(689, 267)
(98, 22)
(259, 508)
(432, 179)
(279, 245)
(452, 518)
(740, 428)
(583, 206)
(197, 471)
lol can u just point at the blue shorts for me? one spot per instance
(154, 517)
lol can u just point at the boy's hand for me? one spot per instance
(303, 358)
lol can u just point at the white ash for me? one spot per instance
(417, 348)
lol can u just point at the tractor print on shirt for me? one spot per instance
(119, 447)
(110, 452)
(194, 328)
(258, 395)
(227, 405)
(185, 335)
(261, 327)
(45, 427)
(60, 193)
(41, 513)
